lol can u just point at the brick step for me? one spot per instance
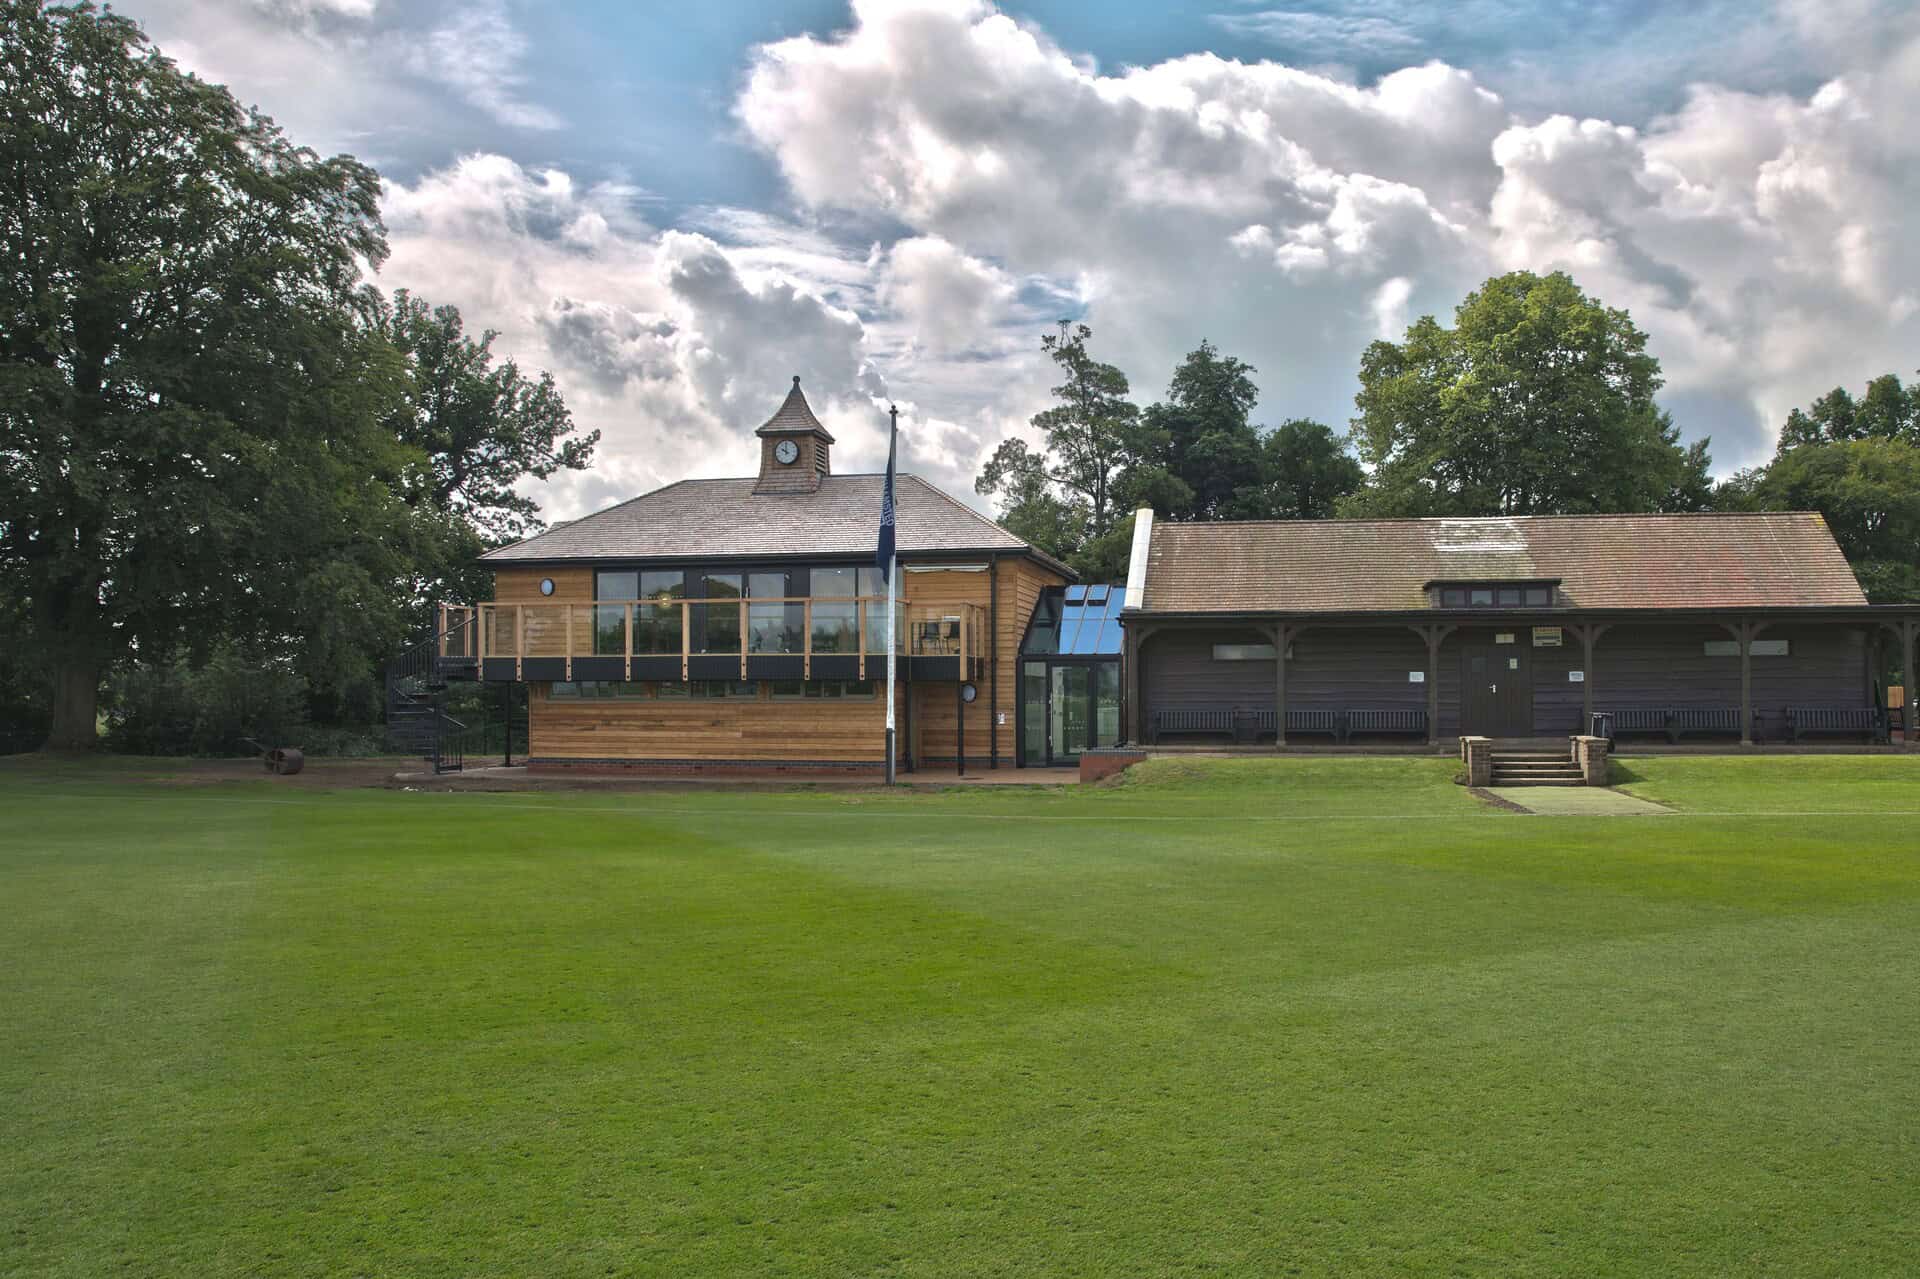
(1537, 781)
(1531, 757)
(1532, 765)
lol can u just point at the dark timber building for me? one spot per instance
(1741, 627)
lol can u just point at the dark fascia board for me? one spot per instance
(791, 557)
(1815, 612)
(1489, 581)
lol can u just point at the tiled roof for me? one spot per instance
(794, 414)
(1602, 561)
(724, 518)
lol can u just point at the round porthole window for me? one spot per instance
(968, 692)
(546, 586)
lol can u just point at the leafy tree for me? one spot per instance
(1305, 472)
(1088, 438)
(1538, 400)
(484, 427)
(1857, 462)
(1888, 411)
(1199, 450)
(187, 396)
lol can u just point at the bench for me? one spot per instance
(1400, 721)
(1704, 719)
(1834, 719)
(1327, 722)
(1673, 721)
(1193, 721)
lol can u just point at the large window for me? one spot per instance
(772, 626)
(656, 618)
(719, 622)
(836, 618)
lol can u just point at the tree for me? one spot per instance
(1857, 462)
(187, 394)
(1306, 473)
(1088, 438)
(484, 427)
(1538, 400)
(1199, 450)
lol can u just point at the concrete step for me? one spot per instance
(1537, 781)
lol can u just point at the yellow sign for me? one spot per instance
(1546, 637)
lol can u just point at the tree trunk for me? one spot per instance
(76, 703)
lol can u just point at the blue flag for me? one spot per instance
(884, 553)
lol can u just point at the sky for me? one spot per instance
(674, 208)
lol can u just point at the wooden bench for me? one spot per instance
(1387, 721)
(1193, 721)
(1834, 719)
(1704, 719)
(1328, 722)
(1673, 721)
(1632, 719)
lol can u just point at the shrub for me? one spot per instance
(174, 708)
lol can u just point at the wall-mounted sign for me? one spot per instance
(1504, 637)
(1416, 677)
(1576, 677)
(1513, 663)
(1546, 637)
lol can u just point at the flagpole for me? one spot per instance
(893, 579)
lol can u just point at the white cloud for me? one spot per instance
(950, 301)
(1289, 216)
(478, 55)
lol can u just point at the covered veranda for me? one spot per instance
(1684, 678)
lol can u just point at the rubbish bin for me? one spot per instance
(1245, 728)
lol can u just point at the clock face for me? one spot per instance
(785, 451)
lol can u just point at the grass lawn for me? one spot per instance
(1224, 1018)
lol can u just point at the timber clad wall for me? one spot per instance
(799, 730)
(936, 715)
(1667, 665)
(698, 729)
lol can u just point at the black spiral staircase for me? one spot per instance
(417, 680)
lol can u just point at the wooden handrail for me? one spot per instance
(534, 627)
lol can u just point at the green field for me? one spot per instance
(1264, 1017)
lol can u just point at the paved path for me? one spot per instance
(1577, 801)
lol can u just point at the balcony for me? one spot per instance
(785, 638)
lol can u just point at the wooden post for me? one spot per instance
(1911, 711)
(626, 611)
(685, 639)
(1281, 633)
(743, 636)
(1136, 639)
(806, 638)
(568, 651)
(519, 641)
(1590, 634)
(1129, 698)
(1745, 633)
(860, 622)
(993, 665)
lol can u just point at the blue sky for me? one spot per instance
(675, 206)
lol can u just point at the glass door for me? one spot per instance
(1068, 719)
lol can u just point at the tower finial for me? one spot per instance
(796, 379)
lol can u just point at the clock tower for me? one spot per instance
(793, 448)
